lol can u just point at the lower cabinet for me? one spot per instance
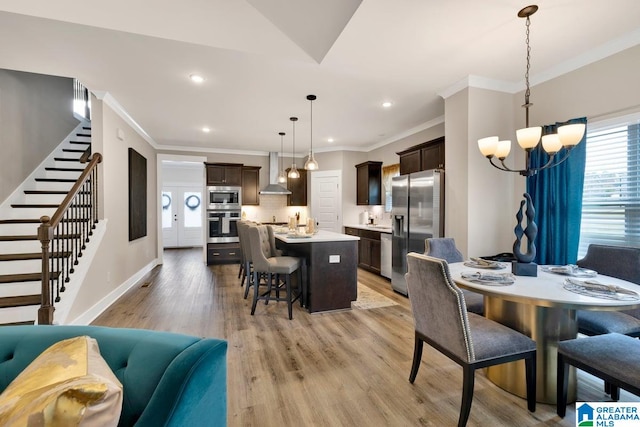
(223, 253)
(369, 248)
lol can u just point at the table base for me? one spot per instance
(546, 326)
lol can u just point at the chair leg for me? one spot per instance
(269, 282)
(240, 273)
(287, 284)
(615, 392)
(468, 378)
(256, 285)
(417, 357)
(250, 280)
(530, 368)
(563, 382)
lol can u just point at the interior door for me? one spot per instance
(182, 217)
(326, 197)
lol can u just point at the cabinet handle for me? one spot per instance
(216, 254)
(232, 253)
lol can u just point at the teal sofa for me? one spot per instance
(168, 379)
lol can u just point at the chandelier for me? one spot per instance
(567, 136)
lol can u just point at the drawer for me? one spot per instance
(223, 253)
(370, 234)
(351, 231)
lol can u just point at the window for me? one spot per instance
(388, 172)
(611, 198)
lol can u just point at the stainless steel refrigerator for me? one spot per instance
(417, 213)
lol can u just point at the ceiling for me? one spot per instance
(260, 59)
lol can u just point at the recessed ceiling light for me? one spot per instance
(387, 104)
(330, 140)
(196, 78)
(206, 129)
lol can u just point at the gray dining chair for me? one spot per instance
(619, 262)
(445, 248)
(472, 341)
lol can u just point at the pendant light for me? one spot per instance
(311, 163)
(293, 172)
(282, 176)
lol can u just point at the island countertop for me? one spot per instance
(320, 236)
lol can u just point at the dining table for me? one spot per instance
(544, 308)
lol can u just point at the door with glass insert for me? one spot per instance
(182, 217)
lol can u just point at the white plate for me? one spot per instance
(569, 270)
(493, 266)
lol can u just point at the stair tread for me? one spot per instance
(80, 142)
(20, 221)
(64, 169)
(35, 237)
(65, 159)
(72, 150)
(30, 256)
(83, 134)
(55, 180)
(35, 205)
(25, 323)
(20, 301)
(25, 277)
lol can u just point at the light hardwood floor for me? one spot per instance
(347, 368)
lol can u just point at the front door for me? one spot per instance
(182, 217)
(326, 197)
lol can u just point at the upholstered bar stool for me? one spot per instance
(278, 271)
(245, 251)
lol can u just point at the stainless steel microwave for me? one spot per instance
(224, 198)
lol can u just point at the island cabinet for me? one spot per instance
(224, 174)
(369, 183)
(425, 156)
(369, 248)
(223, 253)
(298, 188)
(251, 185)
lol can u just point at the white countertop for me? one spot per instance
(320, 236)
(380, 228)
(546, 290)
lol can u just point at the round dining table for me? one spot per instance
(541, 308)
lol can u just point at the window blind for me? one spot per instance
(611, 197)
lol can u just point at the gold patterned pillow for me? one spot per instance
(69, 384)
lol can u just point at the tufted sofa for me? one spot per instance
(168, 379)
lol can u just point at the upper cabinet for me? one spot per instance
(298, 188)
(369, 183)
(250, 185)
(429, 155)
(224, 174)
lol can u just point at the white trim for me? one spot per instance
(108, 99)
(90, 315)
(409, 132)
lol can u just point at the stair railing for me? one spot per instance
(64, 235)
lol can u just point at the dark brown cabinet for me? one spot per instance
(223, 253)
(369, 248)
(369, 183)
(298, 188)
(429, 155)
(251, 185)
(224, 174)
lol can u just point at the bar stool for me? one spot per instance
(245, 252)
(277, 269)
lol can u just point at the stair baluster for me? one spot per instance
(68, 229)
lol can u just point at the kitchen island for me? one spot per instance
(332, 267)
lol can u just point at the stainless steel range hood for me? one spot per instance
(274, 187)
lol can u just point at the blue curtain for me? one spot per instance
(557, 197)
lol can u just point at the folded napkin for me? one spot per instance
(596, 289)
(489, 278)
(483, 263)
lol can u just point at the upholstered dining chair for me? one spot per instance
(619, 262)
(277, 269)
(445, 248)
(472, 341)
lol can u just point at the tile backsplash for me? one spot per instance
(274, 206)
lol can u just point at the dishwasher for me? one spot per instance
(385, 255)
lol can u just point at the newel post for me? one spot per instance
(45, 234)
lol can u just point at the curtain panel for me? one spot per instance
(557, 197)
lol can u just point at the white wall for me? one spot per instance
(118, 259)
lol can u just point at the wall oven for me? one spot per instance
(222, 225)
(224, 198)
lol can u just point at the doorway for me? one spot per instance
(181, 216)
(326, 199)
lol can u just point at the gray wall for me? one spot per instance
(36, 114)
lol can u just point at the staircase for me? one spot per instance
(20, 250)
